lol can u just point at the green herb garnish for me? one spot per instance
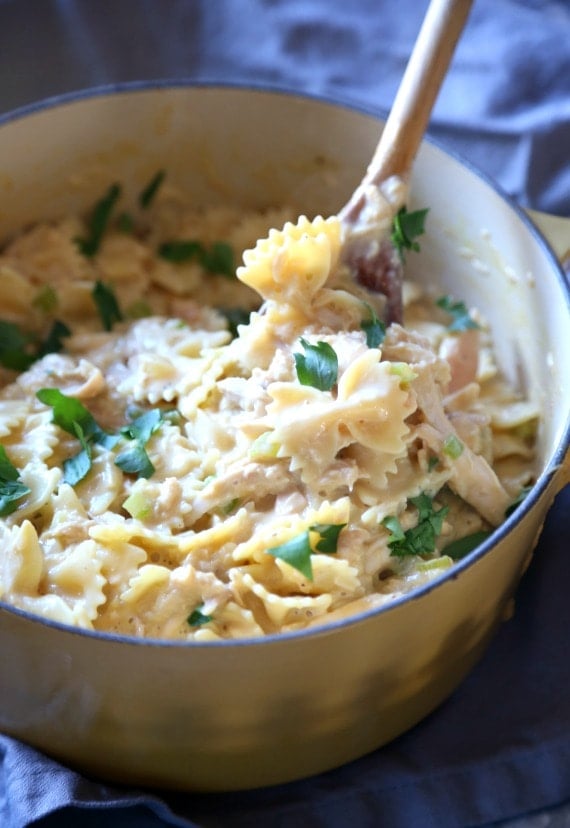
(98, 222)
(374, 328)
(77, 467)
(518, 500)
(15, 347)
(197, 618)
(235, 317)
(462, 320)
(219, 258)
(18, 349)
(11, 487)
(297, 551)
(180, 251)
(71, 415)
(406, 228)
(69, 412)
(126, 223)
(149, 192)
(459, 548)
(107, 305)
(134, 459)
(328, 536)
(52, 344)
(318, 366)
(421, 539)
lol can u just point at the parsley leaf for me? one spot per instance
(180, 251)
(125, 223)
(11, 488)
(235, 317)
(69, 412)
(420, 539)
(318, 366)
(148, 193)
(518, 500)
(197, 617)
(98, 222)
(459, 548)
(219, 258)
(328, 540)
(462, 320)
(374, 328)
(107, 305)
(52, 344)
(14, 347)
(77, 467)
(18, 349)
(297, 553)
(406, 227)
(134, 459)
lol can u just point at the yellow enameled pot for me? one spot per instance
(242, 714)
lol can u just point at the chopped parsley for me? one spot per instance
(328, 536)
(134, 459)
(146, 196)
(99, 221)
(235, 317)
(406, 228)
(15, 347)
(125, 222)
(53, 344)
(107, 305)
(318, 366)
(420, 539)
(297, 551)
(218, 258)
(77, 467)
(459, 548)
(461, 318)
(197, 618)
(19, 349)
(72, 416)
(373, 327)
(518, 500)
(12, 489)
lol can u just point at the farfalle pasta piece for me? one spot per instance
(290, 265)
(370, 408)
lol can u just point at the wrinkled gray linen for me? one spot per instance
(500, 748)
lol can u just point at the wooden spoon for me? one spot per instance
(367, 249)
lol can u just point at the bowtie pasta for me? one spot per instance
(180, 461)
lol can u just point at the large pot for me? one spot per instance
(249, 713)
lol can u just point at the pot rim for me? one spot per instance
(498, 535)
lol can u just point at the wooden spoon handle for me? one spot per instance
(422, 79)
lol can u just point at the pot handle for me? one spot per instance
(556, 230)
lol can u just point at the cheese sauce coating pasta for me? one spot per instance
(308, 468)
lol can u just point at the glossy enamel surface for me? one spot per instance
(238, 715)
